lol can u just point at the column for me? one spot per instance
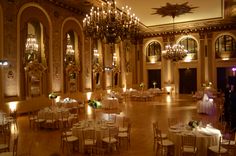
(202, 55)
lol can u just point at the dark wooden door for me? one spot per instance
(187, 80)
(154, 75)
(221, 78)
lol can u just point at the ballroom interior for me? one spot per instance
(96, 59)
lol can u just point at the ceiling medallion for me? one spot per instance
(173, 10)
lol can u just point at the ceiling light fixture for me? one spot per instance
(111, 24)
(173, 51)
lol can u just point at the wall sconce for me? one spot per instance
(96, 55)
(3, 63)
(114, 61)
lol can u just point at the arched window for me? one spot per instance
(153, 52)
(225, 47)
(191, 45)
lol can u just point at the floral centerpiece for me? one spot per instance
(94, 104)
(141, 85)
(52, 95)
(154, 84)
(193, 124)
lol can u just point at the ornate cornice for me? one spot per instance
(191, 27)
(80, 7)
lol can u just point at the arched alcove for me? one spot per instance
(33, 20)
(225, 47)
(191, 45)
(72, 27)
(153, 52)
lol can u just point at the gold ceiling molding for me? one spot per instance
(77, 6)
(192, 27)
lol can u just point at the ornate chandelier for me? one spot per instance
(110, 24)
(174, 52)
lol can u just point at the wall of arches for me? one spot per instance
(202, 57)
(49, 24)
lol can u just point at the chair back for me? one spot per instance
(126, 121)
(188, 140)
(154, 127)
(222, 145)
(65, 114)
(112, 118)
(89, 134)
(113, 133)
(158, 134)
(129, 129)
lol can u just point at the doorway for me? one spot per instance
(154, 75)
(187, 80)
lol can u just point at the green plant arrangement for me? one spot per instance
(94, 104)
(141, 85)
(52, 95)
(193, 124)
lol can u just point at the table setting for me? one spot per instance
(206, 135)
(101, 128)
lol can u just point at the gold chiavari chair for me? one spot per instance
(188, 145)
(89, 140)
(165, 146)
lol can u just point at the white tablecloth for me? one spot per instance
(110, 103)
(47, 113)
(101, 128)
(206, 107)
(205, 137)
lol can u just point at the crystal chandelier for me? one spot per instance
(111, 24)
(70, 52)
(174, 52)
(31, 48)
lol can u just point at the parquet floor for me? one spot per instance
(45, 142)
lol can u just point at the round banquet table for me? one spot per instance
(47, 112)
(101, 129)
(110, 103)
(204, 138)
(206, 107)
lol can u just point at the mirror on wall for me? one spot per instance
(34, 59)
(71, 61)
